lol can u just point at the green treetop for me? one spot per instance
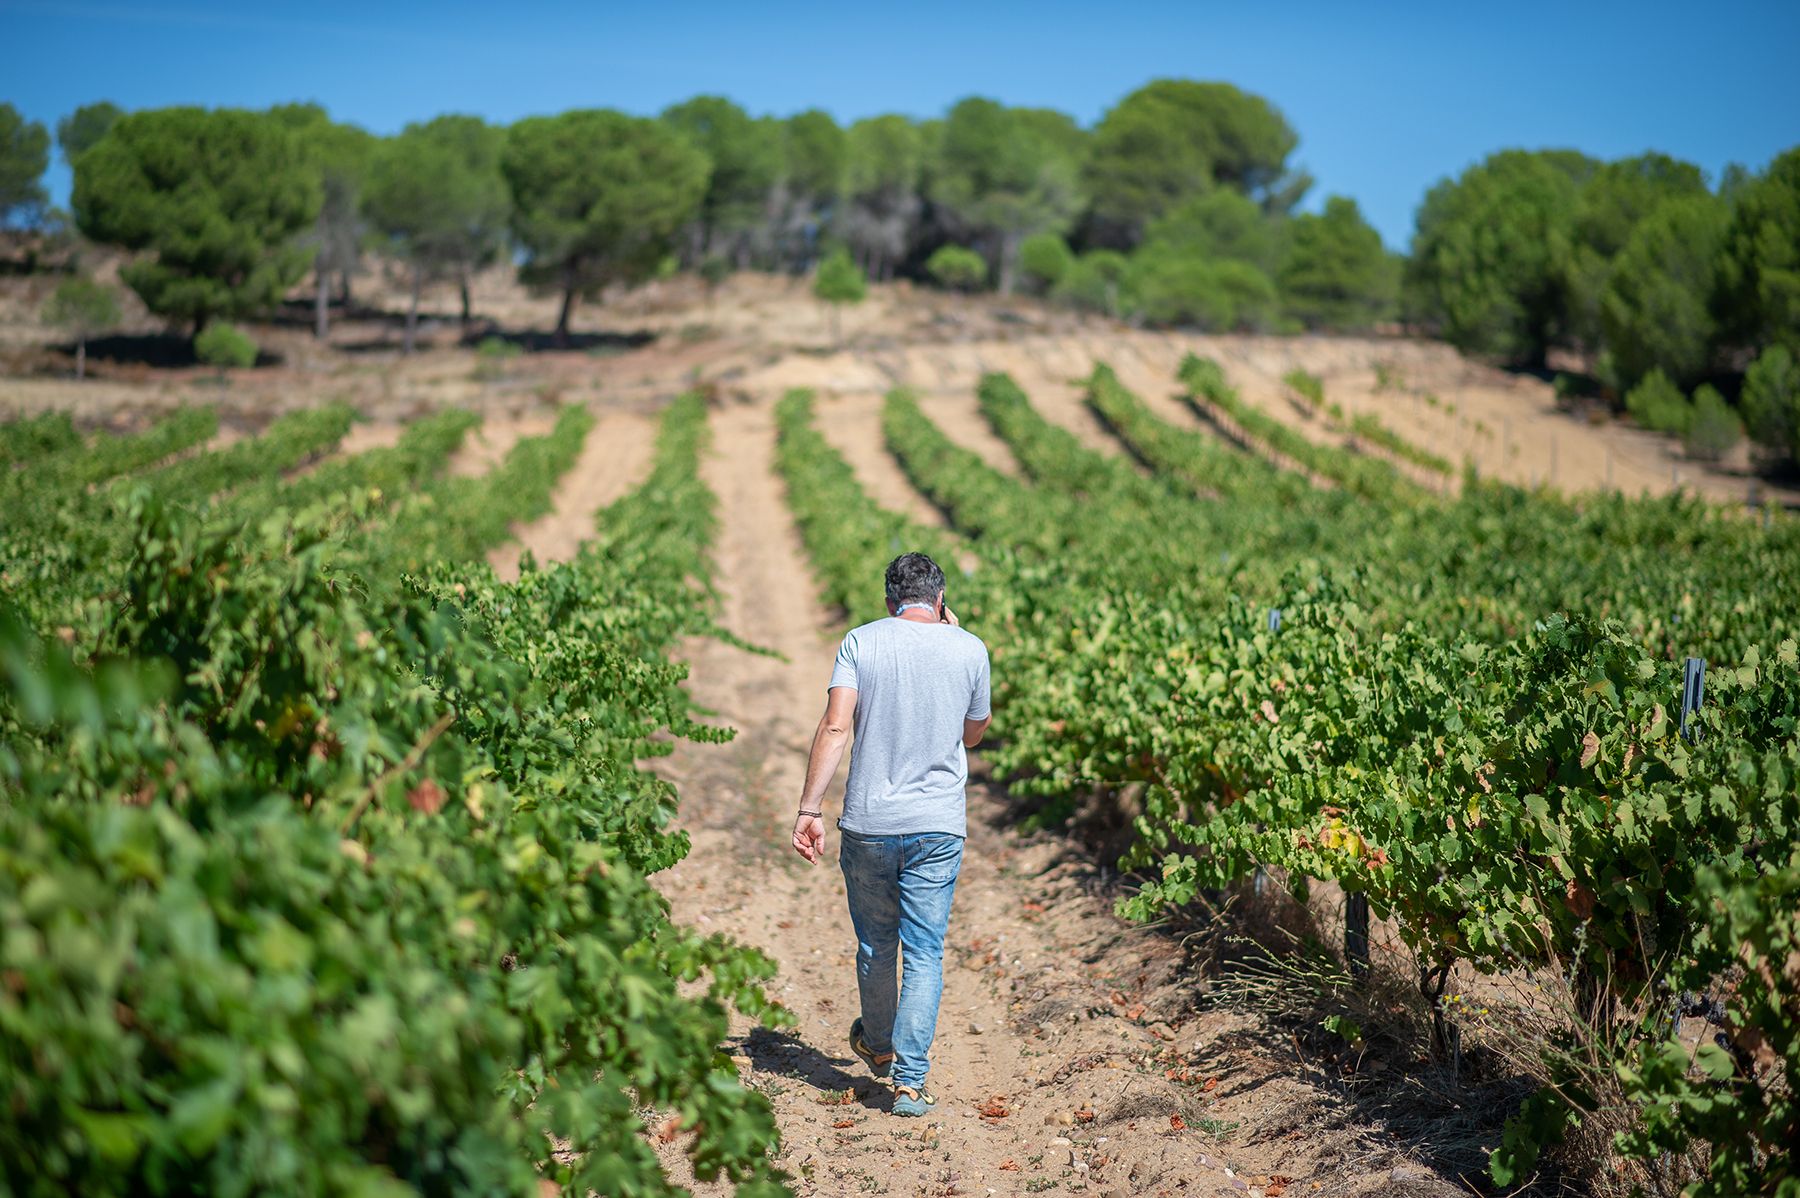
(1654, 310)
(1759, 262)
(812, 176)
(79, 130)
(596, 197)
(1488, 250)
(882, 161)
(215, 200)
(24, 154)
(1206, 263)
(341, 157)
(1175, 138)
(1336, 274)
(436, 193)
(1008, 173)
(1219, 224)
(745, 154)
(882, 154)
(813, 154)
(1608, 208)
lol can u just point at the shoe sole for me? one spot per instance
(878, 1068)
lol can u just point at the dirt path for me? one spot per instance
(1066, 1040)
(614, 458)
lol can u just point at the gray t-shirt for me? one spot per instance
(915, 684)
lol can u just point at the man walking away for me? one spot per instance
(914, 688)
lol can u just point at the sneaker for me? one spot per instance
(912, 1103)
(881, 1065)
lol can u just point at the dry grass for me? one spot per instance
(1541, 1027)
(1438, 1076)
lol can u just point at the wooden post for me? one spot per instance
(1356, 935)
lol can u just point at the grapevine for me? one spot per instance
(1492, 754)
(319, 876)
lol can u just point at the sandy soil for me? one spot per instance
(615, 458)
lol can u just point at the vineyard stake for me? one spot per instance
(1356, 935)
(1693, 694)
(1274, 619)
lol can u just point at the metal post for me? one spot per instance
(1356, 935)
(1693, 694)
(1274, 619)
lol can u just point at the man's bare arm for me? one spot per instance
(974, 730)
(828, 746)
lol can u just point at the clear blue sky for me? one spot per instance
(1387, 98)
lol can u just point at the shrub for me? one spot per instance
(85, 308)
(839, 280)
(1336, 273)
(224, 345)
(957, 267)
(492, 355)
(1658, 405)
(1094, 281)
(1046, 258)
(1713, 429)
(1771, 402)
(1189, 290)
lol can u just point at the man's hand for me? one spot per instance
(809, 838)
(949, 617)
(828, 747)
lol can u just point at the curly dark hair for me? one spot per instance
(914, 578)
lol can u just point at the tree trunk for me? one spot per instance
(837, 330)
(1009, 253)
(412, 313)
(322, 305)
(344, 278)
(562, 321)
(80, 358)
(463, 280)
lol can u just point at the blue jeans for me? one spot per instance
(899, 889)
